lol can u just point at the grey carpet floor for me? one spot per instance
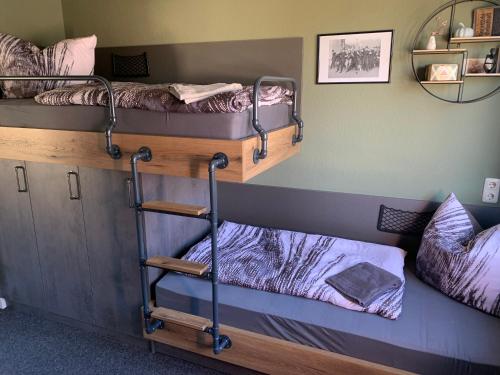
(31, 344)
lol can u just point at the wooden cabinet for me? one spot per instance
(20, 274)
(60, 233)
(112, 249)
(82, 263)
(69, 244)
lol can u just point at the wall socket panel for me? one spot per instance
(491, 190)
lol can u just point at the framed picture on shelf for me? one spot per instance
(362, 57)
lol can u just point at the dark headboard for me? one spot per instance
(232, 61)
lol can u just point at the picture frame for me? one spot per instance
(357, 57)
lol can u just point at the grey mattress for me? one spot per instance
(434, 335)
(29, 114)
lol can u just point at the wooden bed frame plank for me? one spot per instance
(175, 156)
(267, 354)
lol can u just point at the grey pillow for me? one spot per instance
(461, 264)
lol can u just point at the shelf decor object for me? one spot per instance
(455, 40)
(441, 24)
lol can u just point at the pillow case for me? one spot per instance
(19, 57)
(461, 264)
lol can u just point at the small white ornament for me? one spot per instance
(431, 44)
(464, 32)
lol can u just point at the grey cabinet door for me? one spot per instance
(112, 247)
(60, 233)
(20, 276)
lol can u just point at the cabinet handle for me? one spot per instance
(72, 195)
(24, 188)
(128, 181)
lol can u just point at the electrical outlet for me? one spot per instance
(491, 190)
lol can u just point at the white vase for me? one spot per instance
(431, 44)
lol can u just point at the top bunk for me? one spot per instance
(183, 138)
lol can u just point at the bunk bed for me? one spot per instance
(190, 304)
(215, 159)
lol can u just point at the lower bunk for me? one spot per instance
(276, 333)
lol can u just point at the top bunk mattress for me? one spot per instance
(26, 113)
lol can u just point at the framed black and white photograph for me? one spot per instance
(363, 57)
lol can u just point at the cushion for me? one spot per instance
(461, 264)
(19, 57)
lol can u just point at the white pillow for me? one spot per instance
(67, 57)
(459, 263)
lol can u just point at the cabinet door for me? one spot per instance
(60, 233)
(20, 276)
(112, 246)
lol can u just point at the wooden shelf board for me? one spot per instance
(174, 264)
(439, 51)
(441, 82)
(482, 75)
(477, 39)
(181, 319)
(181, 208)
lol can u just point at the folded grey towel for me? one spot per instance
(364, 283)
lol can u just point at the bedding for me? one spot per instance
(298, 264)
(434, 334)
(157, 97)
(27, 113)
(20, 57)
(461, 264)
(194, 93)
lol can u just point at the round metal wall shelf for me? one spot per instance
(456, 44)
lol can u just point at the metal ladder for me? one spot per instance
(151, 324)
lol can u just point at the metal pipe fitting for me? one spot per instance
(262, 153)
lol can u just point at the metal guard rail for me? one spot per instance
(262, 153)
(112, 150)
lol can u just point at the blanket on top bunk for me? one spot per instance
(157, 97)
(298, 264)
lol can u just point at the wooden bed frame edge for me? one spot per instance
(263, 353)
(175, 156)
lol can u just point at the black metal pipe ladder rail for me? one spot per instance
(219, 161)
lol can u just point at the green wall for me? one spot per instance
(380, 139)
(40, 21)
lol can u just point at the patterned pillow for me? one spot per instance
(19, 57)
(463, 266)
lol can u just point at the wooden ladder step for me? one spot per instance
(174, 208)
(182, 319)
(174, 264)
